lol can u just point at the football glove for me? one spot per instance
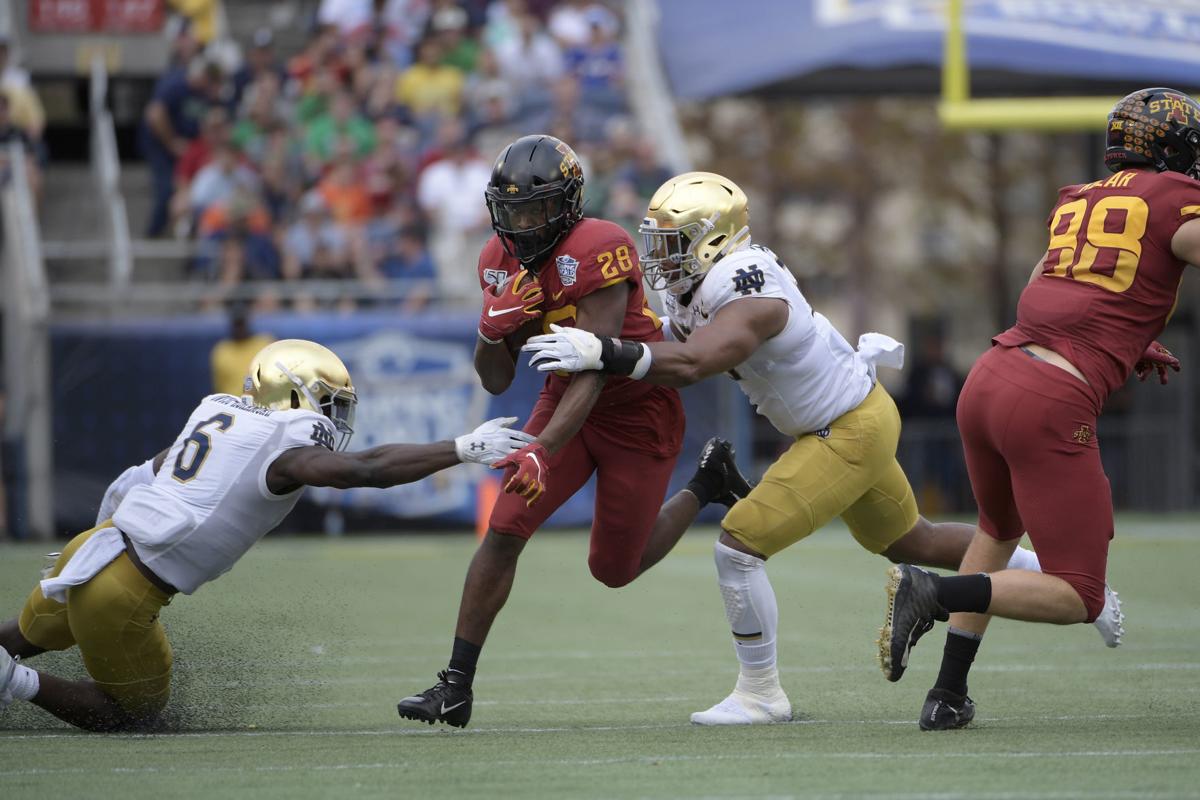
(1156, 359)
(491, 441)
(529, 468)
(576, 350)
(508, 306)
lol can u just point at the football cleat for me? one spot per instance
(912, 609)
(944, 711)
(1111, 622)
(717, 458)
(747, 708)
(448, 701)
(8, 665)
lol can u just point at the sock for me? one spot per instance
(1024, 559)
(706, 484)
(24, 684)
(463, 659)
(965, 592)
(960, 650)
(750, 606)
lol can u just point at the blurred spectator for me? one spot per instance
(430, 88)
(25, 107)
(232, 355)
(223, 177)
(531, 60)
(449, 25)
(397, 251)
(344, 192)
(201, 16)
(260, 114)
(389, 26)
(571, 22)
(320, 62)
(316, 246)
(9, 133)
(260, 62)
(450, 192)
(214, 133)
(931, 394)
(340, 123)
(388, 173)
(10, 73)
(597, 62)
(237, 244)
(644, 174)
(171, 121)
(488, 95)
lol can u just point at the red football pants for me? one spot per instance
(630, 483)
(1029, 436)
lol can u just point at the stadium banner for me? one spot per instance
(762, 42)
(96, 16)
(122, 390)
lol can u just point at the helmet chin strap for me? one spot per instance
(308, 395)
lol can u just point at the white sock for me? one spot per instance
(1024, 559)
(24, 684)
(750, 606)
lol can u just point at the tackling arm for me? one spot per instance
(387, 465)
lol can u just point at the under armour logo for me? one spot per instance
(477, 446)
(747, 281)
(322, 435)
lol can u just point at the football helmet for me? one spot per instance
(534, 196)
(1157, 128)
(297, 373)
(693, 220)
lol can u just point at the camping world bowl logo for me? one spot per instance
(568, 268)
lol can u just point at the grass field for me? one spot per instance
(288, 670)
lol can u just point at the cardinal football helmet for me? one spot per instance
(534, 196)
(693, 220)
(297, 373)
(1157, 128)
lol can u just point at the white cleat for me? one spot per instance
(1111, 621)
(8, 665)
(747, 708)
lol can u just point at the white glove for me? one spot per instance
(567, 349)
(491, 441)
(134, 476)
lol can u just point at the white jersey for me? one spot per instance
(210, 501)
(806, 376)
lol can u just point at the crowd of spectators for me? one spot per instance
(364, 156)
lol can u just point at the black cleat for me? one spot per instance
(912, 609)
(717, 458)
(945, 711)
(448, 701)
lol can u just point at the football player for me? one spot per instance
(548, 264)
(734, 308)
(186, 516)
(1089, 315)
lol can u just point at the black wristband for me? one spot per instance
(619, 357)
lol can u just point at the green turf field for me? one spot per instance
(289, 667)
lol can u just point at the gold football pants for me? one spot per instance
(851, 472)
(113, 618)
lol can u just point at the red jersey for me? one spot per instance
(1109, 280)
(593, 255)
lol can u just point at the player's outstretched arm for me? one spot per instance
(738, 329)
(392, 464)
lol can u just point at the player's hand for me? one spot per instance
(491, 441)
(510, 305)
(566, 349)
(528, 468)
(1156, 359)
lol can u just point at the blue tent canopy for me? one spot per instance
(713, 48)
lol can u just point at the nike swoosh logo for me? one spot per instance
(557, 295)
(492, 312)
(451, 708)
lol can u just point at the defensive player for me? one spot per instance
(741, 312)
(548, 264)
(1096, 300)
(186, 516)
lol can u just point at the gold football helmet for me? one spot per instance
(693, 220)
(297, 373)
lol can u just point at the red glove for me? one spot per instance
(528, 467)
(1156, 358)
(509, 306)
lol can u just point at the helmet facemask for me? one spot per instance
(337, 403)
(530, 227)
(673, 259)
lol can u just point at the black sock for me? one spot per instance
(705, 484)
(463, 659)
(957, 656)
(965, 592)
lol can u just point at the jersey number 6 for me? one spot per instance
(195, 456)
